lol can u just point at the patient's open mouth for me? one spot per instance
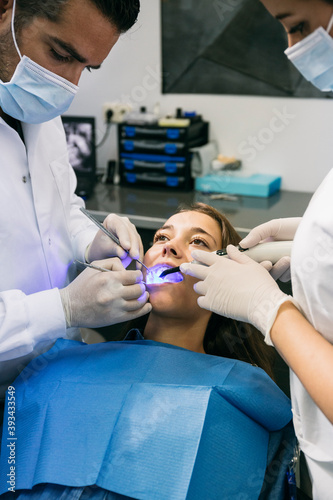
(153, 276)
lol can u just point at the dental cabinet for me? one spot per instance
(159, 157)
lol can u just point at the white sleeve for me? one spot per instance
(27, 320)
(82, 230)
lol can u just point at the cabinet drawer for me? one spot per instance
(153, 180)
(167, 167)
(158, 147)
(173, 134)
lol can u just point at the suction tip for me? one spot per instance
(171, 270)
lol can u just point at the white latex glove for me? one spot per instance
(237, 287)
(280, 270)
(97, 298)
(274, 230)
(103, 247)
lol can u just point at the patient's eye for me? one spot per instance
(199, 242)
(160, 237)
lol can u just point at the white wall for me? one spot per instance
(289, 137)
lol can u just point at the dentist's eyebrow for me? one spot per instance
(67, 47)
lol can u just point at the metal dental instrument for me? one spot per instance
(107, 232)
(92, 266)
(272, 251)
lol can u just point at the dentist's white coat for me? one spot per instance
(41, 232)
(312, 278)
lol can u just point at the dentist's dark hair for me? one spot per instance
(121, 13)
(224, 336)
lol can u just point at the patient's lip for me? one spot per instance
(167, 264)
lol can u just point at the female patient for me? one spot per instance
(177, 410)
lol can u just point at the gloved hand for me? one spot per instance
(103, 247)
(97, 298)
(237, 287)
(274, 230)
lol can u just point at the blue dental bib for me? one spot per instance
(147, 420)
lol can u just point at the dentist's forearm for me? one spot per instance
(308, 354)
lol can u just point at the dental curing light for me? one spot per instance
(272, 251)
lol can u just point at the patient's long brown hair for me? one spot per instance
(227, 337)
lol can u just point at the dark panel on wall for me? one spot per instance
(227, 47)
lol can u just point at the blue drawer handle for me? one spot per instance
(129, 164)
(171, 168)
(170, 149)
(173, 133)
(130, 131)
(129, 145)
(172, 181)
(131, 178)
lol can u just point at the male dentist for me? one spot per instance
(44, 47)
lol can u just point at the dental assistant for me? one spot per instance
(301, 328)
(44, 47)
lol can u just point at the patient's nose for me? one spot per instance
(172, 249)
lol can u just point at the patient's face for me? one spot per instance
(172, 246)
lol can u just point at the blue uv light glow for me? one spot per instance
(153, 276)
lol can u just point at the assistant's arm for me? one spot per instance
(241, 289)
(308, 354)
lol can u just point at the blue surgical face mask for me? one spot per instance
(313, 57)
(34, 94)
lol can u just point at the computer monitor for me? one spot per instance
(80, 137)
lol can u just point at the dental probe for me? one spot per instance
(107, 232)
(271, 251)
(92, 266)
(98, 268)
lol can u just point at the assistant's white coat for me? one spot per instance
(312, 277)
